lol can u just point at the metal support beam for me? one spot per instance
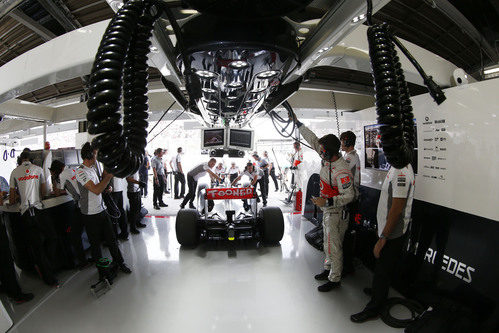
(61, 14)
(28, 22)
(333, 27)
(7, 5)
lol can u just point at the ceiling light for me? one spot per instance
(358, 18)
(238, 64)
(491, 70)
(188, 11)
(235, 85)
(209, 90)
(267, 74)
(303, 30)
(206, 74)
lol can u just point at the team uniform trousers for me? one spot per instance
(99, 227)
(335, 225)
(274, 178)
(157, 197)
(42, 240)
(8, 275)
(191, 195)
(179, 178)
(383, 271)
(122, 220)
(76, 229)
(232, 177)
(135, 206)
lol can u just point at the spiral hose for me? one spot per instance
(393, 104)
(120, 69)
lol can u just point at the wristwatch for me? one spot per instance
(383, 237)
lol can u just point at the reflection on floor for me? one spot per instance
(217, 287)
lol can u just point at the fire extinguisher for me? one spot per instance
(298, 201)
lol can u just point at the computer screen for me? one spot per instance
(70, 157)
(241, 138)
(374, 157)
(213, 137)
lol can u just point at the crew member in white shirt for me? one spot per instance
(233, 172)
(65, 183)
(393, 217)
(29, 181)
(192, 180)
(134, 198)
(176, 165)
(256, 175)
(97, 222)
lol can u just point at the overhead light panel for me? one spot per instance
(491, 70)
(188, 11)
(358, 18)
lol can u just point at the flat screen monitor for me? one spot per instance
(58, 155)
(241, 139)
(71, 157)
(374, 157)
(36, 157)
(213, 138)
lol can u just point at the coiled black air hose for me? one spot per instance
(393, 104)
(121, 66)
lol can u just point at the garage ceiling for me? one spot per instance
(465, 32)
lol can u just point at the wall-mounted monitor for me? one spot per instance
(71, 157)
(374, 157)
(213, 138)
(241, 139)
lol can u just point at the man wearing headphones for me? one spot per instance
(337, 190)
(347, 145)
(97, 222)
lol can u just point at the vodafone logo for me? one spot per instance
(230, 193)
(27, 178)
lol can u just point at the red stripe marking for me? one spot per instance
(296, 213)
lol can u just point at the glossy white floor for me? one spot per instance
(217, 287)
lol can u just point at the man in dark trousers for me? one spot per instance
(29, 180)
(192, 180)
(393, 216)
(176, 165)
(144, 175)
(118, 189)
(134, 185)
(8, 275)
(97, 222)
(158, 170)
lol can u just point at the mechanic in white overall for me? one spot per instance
(337, 190)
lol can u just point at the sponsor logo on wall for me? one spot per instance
(452, 266)
(434, 149)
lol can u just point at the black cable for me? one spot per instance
(167, 126)
(120, 70)
(434, 90)
(414, 307)
(162, 116)
(369, 13)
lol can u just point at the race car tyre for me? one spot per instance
(272, 224)
(186, 227)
